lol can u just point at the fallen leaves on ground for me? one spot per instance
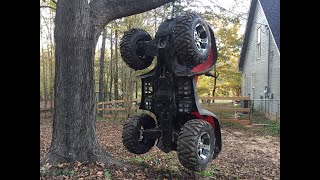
(245, 155)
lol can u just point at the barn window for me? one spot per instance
(258, 43)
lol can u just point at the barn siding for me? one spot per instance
(255, 71)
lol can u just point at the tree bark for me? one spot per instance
(78, 25)
(101, 76)
(74, 134)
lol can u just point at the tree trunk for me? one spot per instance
(129, 92)
(44, 81)
(106, 77)
(101, 76)
(238, 90)
(216, 75)
(123, 81)
(51, 62)
(77, 27)
(111, 67)
(105, 88)
(74, 134)
(116, 66)
(49, 79)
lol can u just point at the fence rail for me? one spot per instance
(227, 108)
(226, 98)
(240, 110)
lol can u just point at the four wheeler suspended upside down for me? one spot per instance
(185, 48)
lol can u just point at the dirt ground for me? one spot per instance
(245, 155)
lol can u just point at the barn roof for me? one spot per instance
(271, 9)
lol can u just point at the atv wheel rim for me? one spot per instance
(201, 38)
(204, 146)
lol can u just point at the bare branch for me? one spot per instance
(217, 74)
(48, 7)
(45, 22)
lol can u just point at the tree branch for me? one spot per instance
(54, 1)
(48, 7)
(131, 7)
(107, 10)
(217, 74)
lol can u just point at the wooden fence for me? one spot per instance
(228, 109)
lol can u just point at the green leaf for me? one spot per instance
(107, 174)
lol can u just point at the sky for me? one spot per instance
(227, 4)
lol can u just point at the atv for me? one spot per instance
(185, 48)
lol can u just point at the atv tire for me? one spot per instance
(196, 143)
(131, 134)
(192, 40)
(133, 54)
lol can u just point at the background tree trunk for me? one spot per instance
(216, 75)
(129, 90)
(49, 80)
(51, 61)
(111, 67)
(105, 89)
(123, 82)
(116, 66)
(101, 76)
(106, 77)
(44, 82)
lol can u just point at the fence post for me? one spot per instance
(249, 106)
(249, 114)
(103, 109)
(278, 115)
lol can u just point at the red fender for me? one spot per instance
(209, 119)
